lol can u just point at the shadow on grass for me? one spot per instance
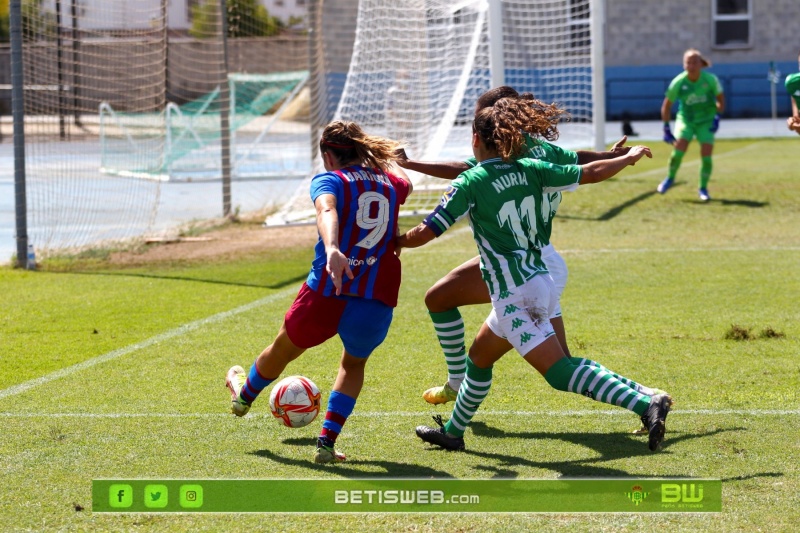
(352, 467)
(724, 202)
(619, 209)
(614, 211)
(609, 447)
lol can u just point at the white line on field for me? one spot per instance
(682, 250)
(409, 414)
(177, 332)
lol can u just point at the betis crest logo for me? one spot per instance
(637, 494)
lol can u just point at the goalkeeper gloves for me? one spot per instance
(715, 125)
(669, 138)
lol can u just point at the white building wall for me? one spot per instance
(285, 9)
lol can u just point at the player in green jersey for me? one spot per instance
(701, 102)
(793, 88)
(503, 198)
(463, 285)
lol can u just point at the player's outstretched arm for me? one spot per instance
(448, 170)
(619, 148)
(416, 237)
(328, 227)
(598, 171)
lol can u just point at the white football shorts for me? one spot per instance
(523, 318)
(558, 271)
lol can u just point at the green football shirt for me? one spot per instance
(697, 99)
(793, 87)
(504, 201)
(550, 153)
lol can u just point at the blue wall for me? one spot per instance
(639, 91)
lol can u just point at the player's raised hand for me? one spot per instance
(402, 156)
(337, 266)
(639, 151)
(619, 147)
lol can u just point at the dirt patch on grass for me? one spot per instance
(234, 240)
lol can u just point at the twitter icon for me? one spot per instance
(156, 496)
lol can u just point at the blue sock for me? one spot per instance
(254, 385)
(340, 406)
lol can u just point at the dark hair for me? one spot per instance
(502, 127)
(490, 97)
(349, 143)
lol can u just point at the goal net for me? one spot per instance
(418, 66)
(123, 105)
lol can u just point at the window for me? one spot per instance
(578, 21)
(731, 23)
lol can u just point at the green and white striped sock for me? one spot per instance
(473, 391)
(629, 382)
(449, 328)
(596, 383)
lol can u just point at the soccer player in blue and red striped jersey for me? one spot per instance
(354, 280)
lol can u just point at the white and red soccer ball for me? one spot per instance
(295, 401)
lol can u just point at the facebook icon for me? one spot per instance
(120, 496)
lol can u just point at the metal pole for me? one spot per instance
(224, 115)
(18, 112)
(75, 65)
(318, 88)
(597, 28)
(497, 65)
(60, 73)
(773, 80)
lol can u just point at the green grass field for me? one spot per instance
(120, 373)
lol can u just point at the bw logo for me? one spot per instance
(588, 394)
(684, 492)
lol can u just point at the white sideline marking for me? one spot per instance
(408, 414)
(180, 330)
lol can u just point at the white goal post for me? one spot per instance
(418, 66)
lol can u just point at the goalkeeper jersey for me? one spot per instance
(697, 99)
(550, 153)
(793, 87)
(504, 202)
(368, 202)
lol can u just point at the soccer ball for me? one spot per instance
(295, 401)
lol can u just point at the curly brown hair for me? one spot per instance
(350, 144)
(502, 126)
